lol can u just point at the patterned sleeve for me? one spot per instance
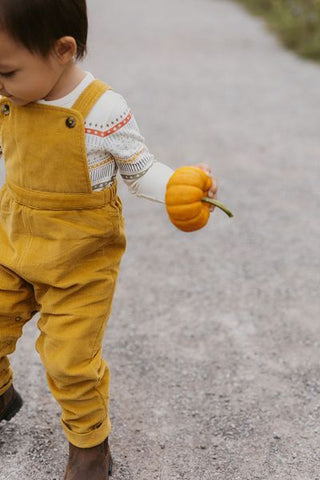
(125, 143)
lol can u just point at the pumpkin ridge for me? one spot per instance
(187, 218)
(196, 223)
(175, 190)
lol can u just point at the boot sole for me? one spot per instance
(110, 464)
(13, 408)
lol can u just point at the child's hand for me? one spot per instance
(212, 193)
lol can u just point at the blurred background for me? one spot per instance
(213, 342)
(296, 22)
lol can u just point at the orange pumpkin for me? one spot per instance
(187, 203)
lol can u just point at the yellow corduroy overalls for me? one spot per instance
(60, 250)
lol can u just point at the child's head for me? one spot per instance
(39, 40)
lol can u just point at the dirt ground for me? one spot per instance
(213, 343)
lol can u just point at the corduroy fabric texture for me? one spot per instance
(61, 247)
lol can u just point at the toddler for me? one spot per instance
(64, 136)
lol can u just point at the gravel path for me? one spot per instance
(214, 340)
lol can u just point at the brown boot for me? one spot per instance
(93, 463)
(10, 404)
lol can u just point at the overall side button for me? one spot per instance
(71, 122)
(5, 109)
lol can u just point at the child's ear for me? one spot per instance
(65, 49)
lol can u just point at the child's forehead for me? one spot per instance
(6, 38)
(9, 49)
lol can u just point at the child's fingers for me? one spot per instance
(205, 167)
(214, 187)
(212, 193)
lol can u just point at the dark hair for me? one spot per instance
(38, 24)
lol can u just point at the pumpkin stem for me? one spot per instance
(220, 205)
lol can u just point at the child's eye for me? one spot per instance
(7, 74)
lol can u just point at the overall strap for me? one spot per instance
(89, 97)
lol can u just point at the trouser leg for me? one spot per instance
(72, 326)
(17, 305)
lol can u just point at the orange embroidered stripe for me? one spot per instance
(106, 133)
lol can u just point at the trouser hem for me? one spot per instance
(89, 439)
(6, 386)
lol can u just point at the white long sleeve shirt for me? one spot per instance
(114, 143)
